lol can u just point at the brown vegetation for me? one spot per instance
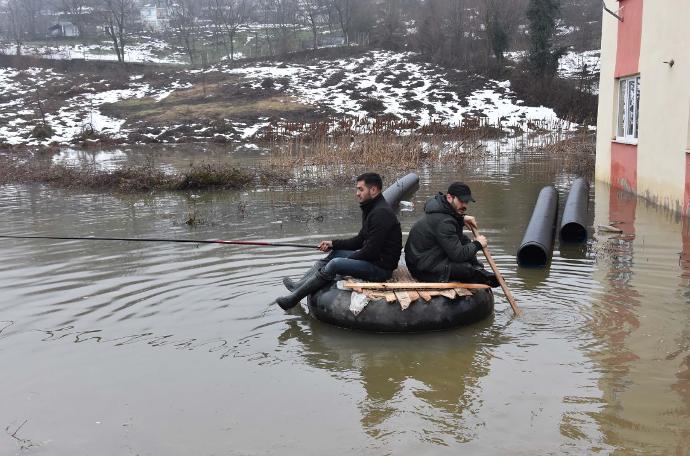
(339, 159)
(575, 155)
(131, 178)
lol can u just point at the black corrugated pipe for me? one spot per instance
(537, 243)
(575, 212)
(404, 186)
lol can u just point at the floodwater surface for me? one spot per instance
(117, 348)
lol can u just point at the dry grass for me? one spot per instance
(575, 155)
(206, 102)
(341, 158)
(133, 178)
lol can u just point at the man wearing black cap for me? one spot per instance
(437, 250)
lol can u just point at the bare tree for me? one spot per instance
(117, 16)
(184, 19)
(388, 26)
(343, 10)
(313, 12)
(76, 10)
(282, 14)
(227, 16)
(16, 24)
(31, 9)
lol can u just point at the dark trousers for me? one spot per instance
(338, 263)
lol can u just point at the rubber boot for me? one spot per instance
(292, 285)
(311, 284)
(488, 278)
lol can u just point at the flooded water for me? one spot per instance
(116, 348)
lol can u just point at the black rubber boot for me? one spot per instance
(292, 285)
(488, 278)
(311, 284)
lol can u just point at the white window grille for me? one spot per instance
(628, 108)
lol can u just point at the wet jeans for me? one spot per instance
(340, 264)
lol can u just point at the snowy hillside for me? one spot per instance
(364, 87)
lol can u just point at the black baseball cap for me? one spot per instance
(461, 191)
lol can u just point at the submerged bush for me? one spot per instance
(207, 175)
(133, 178)
(42, 131)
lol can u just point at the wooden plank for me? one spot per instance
(403, 299)
(390, 296)
(609, 229)
(412, 285)
(425, 295)
(450, 294)
(414, 295)
(463, 292)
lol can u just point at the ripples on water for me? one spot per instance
(177, 349)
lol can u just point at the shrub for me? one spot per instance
(42, 131)
(372, 105)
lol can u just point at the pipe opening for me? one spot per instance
(573, 232)
(532, 256)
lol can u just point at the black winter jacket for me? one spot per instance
(436, 240)
(380, 239)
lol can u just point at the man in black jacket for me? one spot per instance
(437, 250)
(371, 255)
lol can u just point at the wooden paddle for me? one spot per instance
(504, 287)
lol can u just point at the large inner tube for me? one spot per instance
(401, 188)
(332, 305)
(537, 243)
(573, 221)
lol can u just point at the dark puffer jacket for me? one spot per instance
(380, 239)
(436, 241)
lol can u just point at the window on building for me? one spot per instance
(628, 108)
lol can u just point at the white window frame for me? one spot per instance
(627, 116)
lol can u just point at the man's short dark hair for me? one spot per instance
(371, 180)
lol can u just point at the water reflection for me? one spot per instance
(642, 328)
(429, 379)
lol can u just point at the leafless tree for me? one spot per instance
(117, 18)
(389, 25)
(227, 16)
(31, 9)
(184, 19)
(282, 15)
(343, 11)
(313, 13)
(76, 10)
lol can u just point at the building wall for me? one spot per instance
(606, 118)
(657, 167)
(664, 103)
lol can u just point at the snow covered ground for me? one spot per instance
(571, 64)
(145, 50)
(400, 86)
(364, 87)
(21, 91)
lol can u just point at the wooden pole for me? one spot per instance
(504, 287)
(414, 285)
